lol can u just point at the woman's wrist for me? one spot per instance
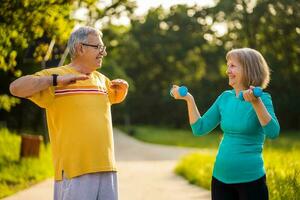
(256, 102)
(189, 98)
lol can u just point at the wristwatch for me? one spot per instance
(54, 79)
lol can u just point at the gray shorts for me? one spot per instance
(94, 186)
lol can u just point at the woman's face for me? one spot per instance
(234, 72)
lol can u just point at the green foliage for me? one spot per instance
(175, 46)
(28, 26)
(7, 102)
(174, 137)
(165, 48)
(181, 46)
(283, 173)
(16, 174)
(197, 168)
(9, 146)
(23, 22)
(271, 27)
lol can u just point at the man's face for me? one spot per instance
(93, 51)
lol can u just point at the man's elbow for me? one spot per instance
(15, 91)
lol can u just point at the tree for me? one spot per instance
(165, 48)
(21, 24)
(34, 35)
(273, 28)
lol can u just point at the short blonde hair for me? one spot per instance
(256, 71)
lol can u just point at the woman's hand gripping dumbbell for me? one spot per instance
(257, 92)
(182, 90)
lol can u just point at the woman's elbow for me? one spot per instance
(274, 134)
(196, 132)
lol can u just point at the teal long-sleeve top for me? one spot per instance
(239, 157)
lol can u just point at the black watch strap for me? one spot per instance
(54, 79)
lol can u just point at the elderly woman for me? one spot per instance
(239, 170)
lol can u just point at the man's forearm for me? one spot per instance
(28, 85)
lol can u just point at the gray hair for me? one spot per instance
(80, 35)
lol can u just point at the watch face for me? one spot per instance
(54, 79)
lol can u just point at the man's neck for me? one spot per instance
(80, 67)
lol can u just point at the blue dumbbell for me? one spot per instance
(257, 92)
(182, 90)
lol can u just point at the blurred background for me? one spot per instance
(153, 44)
(153, 47)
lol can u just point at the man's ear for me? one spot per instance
(79, 49)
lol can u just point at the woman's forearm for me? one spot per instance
(192, 109)
(261, 111)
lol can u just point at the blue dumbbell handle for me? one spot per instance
(182, 90)
(257, 92)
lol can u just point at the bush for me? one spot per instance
(18, 174)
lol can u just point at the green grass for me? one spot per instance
(281, 158)
(17, 174)
(174, 137)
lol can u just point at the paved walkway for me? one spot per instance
(145, 172)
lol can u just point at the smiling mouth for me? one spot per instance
(99, 59)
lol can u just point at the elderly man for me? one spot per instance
(77, 99)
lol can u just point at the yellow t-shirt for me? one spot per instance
(79, 123)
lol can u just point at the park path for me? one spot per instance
(145, 172)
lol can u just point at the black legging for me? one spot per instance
(253, 190)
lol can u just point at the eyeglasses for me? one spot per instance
(99, 47)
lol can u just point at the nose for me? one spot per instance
(103, 53)
(228, 70)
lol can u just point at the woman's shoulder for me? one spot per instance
(265, 97)
(225, 96)
(227, 93)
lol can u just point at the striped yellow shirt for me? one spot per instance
(79, 123)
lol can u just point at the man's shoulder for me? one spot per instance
(58, 70)
(100, 75)
(53, 70)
